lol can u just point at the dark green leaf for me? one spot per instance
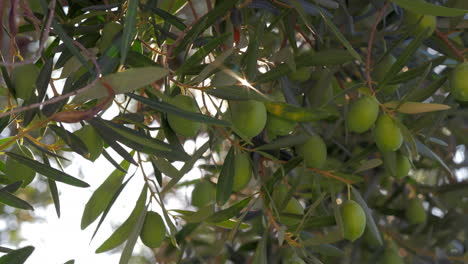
(18, 256)
(13, 201)
(132, 239)
(47, 171)
(109, 205)
(170, 109)
(424, 8)
(226, 179)
(203, 23)
(201, 53)
(129, 29)
(101, 198)
(227, 213)
(123, 232)
(75, 143)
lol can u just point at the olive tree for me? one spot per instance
(327, 131)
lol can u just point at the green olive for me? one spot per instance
(387, 134)
(415, 213)
(248, 117)
(92, 140)
(417, 23)
(153, 231)
(181, 125)
(17, 171)
(459, 82)
(362, 114)
(391, 256)
(277, 126)
(293, 206)
(314, 152)
(354, 220)
(203, 193)
(242, 171)
(109, 31)
(24, 80)
(403, 166)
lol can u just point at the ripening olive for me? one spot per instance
(459, 82)
(417, 23)
(415, 213)
(248, 117)
(242, 171)
(362, 114)
(181, 125)
(314, 152)
(277, 126)
(17, 171)
(24, 80)
(203, 193)
(387, 134)
(92, 140)
(403, 166)
(153, 231)
(354, 220)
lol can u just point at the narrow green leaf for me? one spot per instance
(369, 218)
(132, 239)
(340, 36)
(404, 57)
(123, 232)
(237, 92)
(426, 92)
(170, 109)
(428, 153)
(202, 52)
(203, 23)
(186, 168)
(55, 196)
(138, 137)
(13, 201)
(415, 107)
(123, 82)
(47, 171)
(129, 29)
(68, 41)
(226, 179)
(112, 161)
(109, 205)
(18, 256)
(168, 17)
(73, 141)
(230, 212)
(285, 142)
(101, 198)
(368, 165)
(424, 8)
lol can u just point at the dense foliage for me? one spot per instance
(327, 131)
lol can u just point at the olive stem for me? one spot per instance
(450, 45)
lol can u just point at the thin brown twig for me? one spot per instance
(64, 96)
(450, 45)
(194, 12)
(371, 43)
(42, 42)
